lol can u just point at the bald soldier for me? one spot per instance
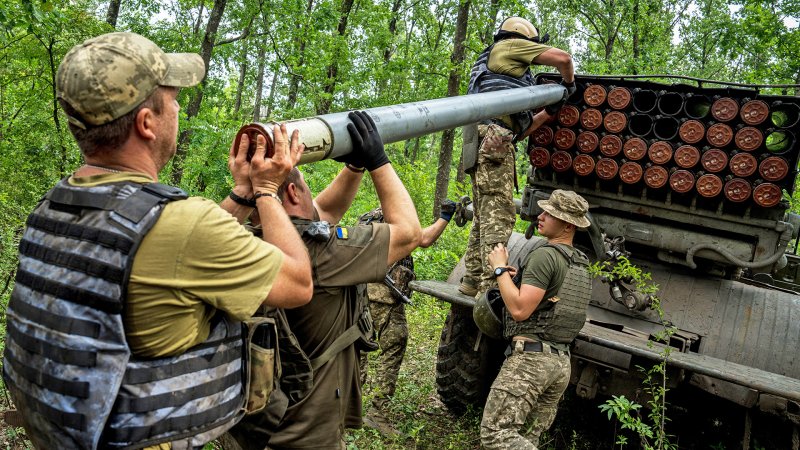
(328, 328)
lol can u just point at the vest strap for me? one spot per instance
(66, 325)
(147, 375)
(342, 342)
(174, 399)
(71, 261)
(105, 238)
(59, 354)
(70, 420)
(81, 198)
(139, 434)
(78, 389)
(69, 293)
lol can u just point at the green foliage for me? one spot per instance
(652, 435)
(623, 270)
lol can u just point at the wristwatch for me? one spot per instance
(501, 270)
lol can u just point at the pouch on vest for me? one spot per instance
(469, 149)
(263, 371)
(366, 340)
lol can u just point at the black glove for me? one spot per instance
(571, 88)
(448, 208)
(555, 107)
(368, 149)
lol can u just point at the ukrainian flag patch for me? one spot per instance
(341, 233)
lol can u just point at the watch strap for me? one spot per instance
(249, 202)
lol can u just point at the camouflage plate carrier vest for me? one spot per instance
(481, 79)
(67, 364)
(560, 321)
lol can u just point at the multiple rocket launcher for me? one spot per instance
(732, 146)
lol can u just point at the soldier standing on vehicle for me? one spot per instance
(544, 312)
(387, 308)
(341, 258)
(503, 65)
(126, 288)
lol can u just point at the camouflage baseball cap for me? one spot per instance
(567, 206)
(108, 76)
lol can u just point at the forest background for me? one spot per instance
(285, 59)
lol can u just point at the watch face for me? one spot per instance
(499, 271)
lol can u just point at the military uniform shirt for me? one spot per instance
(513, 56)
(352, 255)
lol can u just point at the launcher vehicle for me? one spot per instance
(692, 182)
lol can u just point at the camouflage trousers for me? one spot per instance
(493, 203)
(524, 399)
(389, 321)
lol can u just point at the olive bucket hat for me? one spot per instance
(567, 206)
(108, 76)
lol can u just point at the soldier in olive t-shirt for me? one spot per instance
(196, 260)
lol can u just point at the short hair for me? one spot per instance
(292, 177)
(112, 135)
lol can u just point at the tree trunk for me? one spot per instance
(206, 49)
(113, 12)
(453, 85)
(272, 90)
(333, 68)
(237, 105)
(294, 82)
(388, 52)
(62, 164)
(259, 82)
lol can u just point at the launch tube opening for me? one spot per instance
(697, 106)
(252, 131)
(670, 103)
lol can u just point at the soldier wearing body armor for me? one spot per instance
(543, 313)
(124, 328)
(503, 65)
(387, 308)
(331, 328)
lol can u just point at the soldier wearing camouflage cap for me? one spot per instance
(544, 310)
(124, 326)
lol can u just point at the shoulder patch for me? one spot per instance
(341, 232)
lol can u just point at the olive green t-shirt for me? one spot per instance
(513, 56)
(197, 259)
(545, 268)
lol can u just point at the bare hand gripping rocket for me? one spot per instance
(326, 136)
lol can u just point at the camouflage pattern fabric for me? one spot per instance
(524, 399)
(389, 320)
(494, 212)
(108, 76)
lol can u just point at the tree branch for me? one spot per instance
(280, 57)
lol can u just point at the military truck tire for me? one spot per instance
(463, 374)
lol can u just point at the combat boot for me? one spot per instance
(467, 288)
(377, 420)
